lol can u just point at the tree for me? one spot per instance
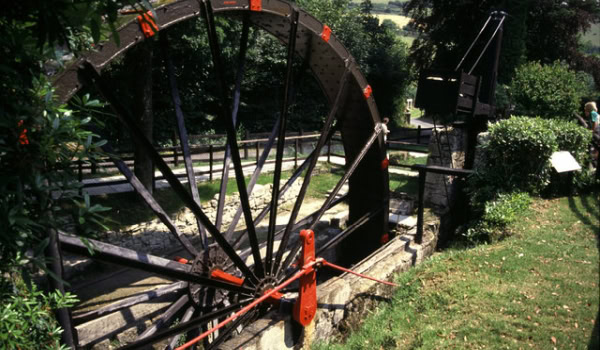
(539, 30)
(381, 55)
(549, 91)
(39, 140)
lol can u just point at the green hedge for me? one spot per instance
(515, 158)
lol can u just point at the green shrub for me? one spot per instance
(516, 157)
(27, 319)
(497, 215)
(575, 139)
(550, 91)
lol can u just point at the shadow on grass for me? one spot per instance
(591, 206)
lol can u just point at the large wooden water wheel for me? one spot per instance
(216, 281)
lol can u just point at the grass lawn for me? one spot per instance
(537, 289)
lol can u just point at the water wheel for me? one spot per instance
(215, 280)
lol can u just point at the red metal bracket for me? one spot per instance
(326, 34)
(255, 5)
(385, 163)
(147, 24)
(305, 307)
(367, 91)
(225, 277)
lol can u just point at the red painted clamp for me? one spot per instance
(147, 24)
(305, 308)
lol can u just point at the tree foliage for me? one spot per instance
(540, 30)
(547, 90)
(39, 141)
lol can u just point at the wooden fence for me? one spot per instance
(213, 150)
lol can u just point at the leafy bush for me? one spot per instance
(575, 139)
(516, 157)
(550, 91)
(497, 215)
(27, 318)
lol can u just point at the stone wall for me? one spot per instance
(452, 144)
(153, 236)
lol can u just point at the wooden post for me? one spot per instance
(301, 141)
(175, 155)
(328, 151)
(418, 134)
(257, 151)
(54, 264)
(210, 162)
(153, 177)
(247, 136)
(296, 153)
(419, 236)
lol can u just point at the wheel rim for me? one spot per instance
(351, 105)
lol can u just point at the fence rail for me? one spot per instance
(212, 153)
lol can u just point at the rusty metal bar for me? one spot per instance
(112, 254)
(231, 137)
(185, 326)
(349, 172)
(281, 144)
(313, 162)
(182, 132)
(130, 301)
(257, 171)
(234, 113)
(166, 318)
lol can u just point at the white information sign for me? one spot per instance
(564, 162)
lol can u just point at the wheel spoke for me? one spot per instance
(178, 188)
(335, 191)
(284, 189)
(182, 132)
(166, 317)
(357, 224)
(230, 328)
(133, 300)
(281, 142)
(253, 179)
(311, 167)
(186, 326)
(231, 137)
(234, 113)
(112, 254)
(185, 318)
(150, 201)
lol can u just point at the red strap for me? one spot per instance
(255, 5)
(148, 24)
(367, 92)
(326, 34)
